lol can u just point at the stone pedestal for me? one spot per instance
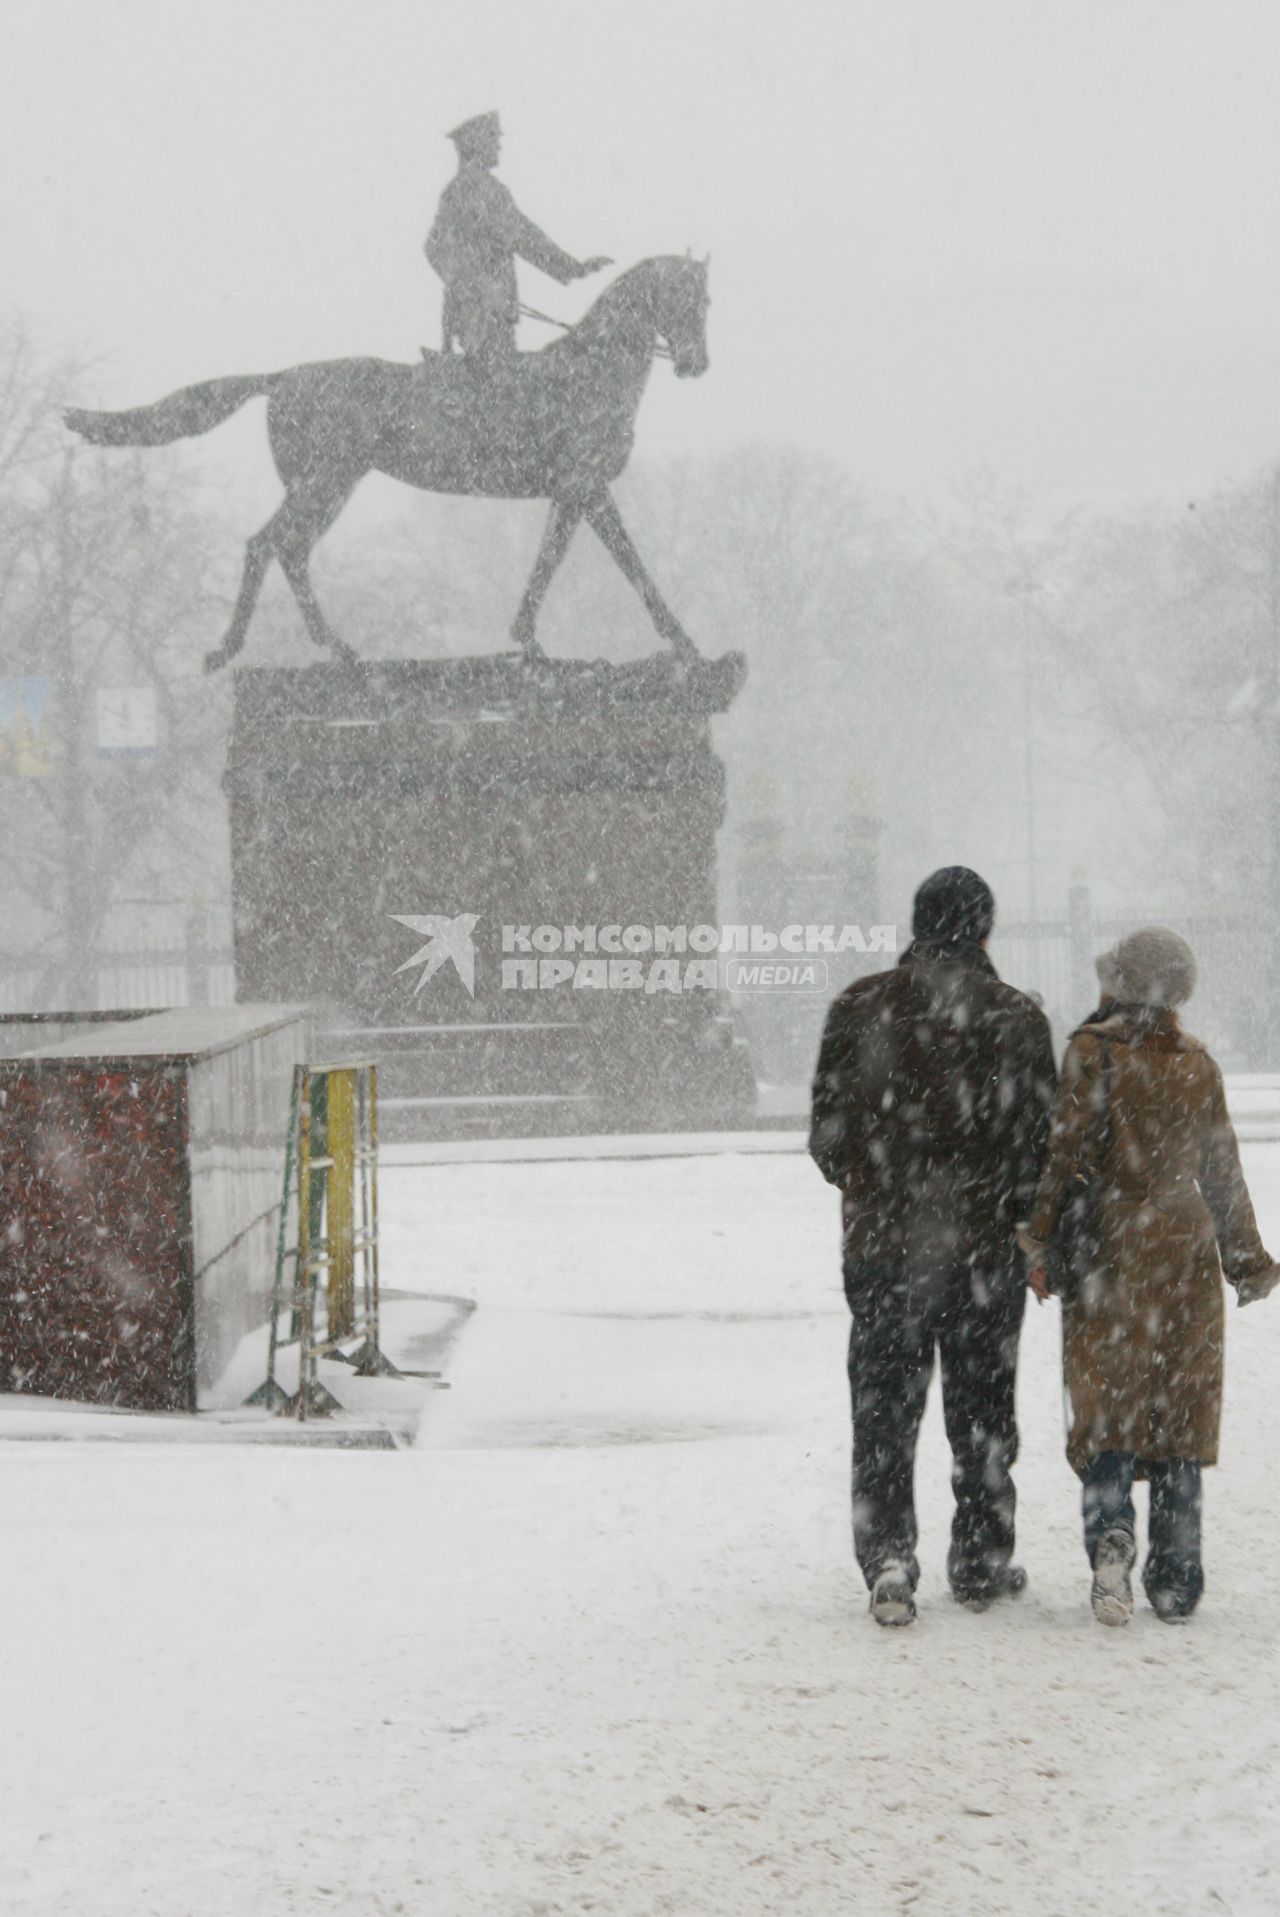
(565, 795)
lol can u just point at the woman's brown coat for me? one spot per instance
(1143, 1339)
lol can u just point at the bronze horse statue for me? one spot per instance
(558, 424)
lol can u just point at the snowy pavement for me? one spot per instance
(595, 1645)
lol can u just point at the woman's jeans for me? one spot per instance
(1173, 1577)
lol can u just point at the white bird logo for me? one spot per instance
(446, 939)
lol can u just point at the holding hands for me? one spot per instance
(1036, 1256)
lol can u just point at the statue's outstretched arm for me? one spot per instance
(531, 243)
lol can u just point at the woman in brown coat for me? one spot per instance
(1141, 1112)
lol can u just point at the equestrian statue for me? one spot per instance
(487, 421)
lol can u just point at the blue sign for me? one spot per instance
(26, 721)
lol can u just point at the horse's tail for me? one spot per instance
(182, 415)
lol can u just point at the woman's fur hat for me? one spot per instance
(1153, 966)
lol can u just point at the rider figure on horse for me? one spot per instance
(477, 235)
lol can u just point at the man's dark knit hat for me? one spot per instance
(953, 904)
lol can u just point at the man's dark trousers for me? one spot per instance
(974, 1319)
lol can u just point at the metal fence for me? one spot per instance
(140, 977)
(1054, 961)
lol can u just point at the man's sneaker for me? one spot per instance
(892, 1599)
(1009, 1583)
(1112, 1593)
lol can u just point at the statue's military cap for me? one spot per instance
(479, 124)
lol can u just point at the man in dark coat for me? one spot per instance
(477, 236)
(931, 1112)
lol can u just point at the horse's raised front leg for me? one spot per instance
(289, 535)
(561, 524)
(605, 522)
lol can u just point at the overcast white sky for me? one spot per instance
(1037, 236)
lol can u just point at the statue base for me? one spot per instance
(465, 860)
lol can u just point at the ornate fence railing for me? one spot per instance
(151, 977)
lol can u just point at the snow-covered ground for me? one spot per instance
(595, 1645)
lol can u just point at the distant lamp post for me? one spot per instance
(1024, 588)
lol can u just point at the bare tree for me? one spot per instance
(104, 571)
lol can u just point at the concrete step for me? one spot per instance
(537, 1115)
(457, 1061)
